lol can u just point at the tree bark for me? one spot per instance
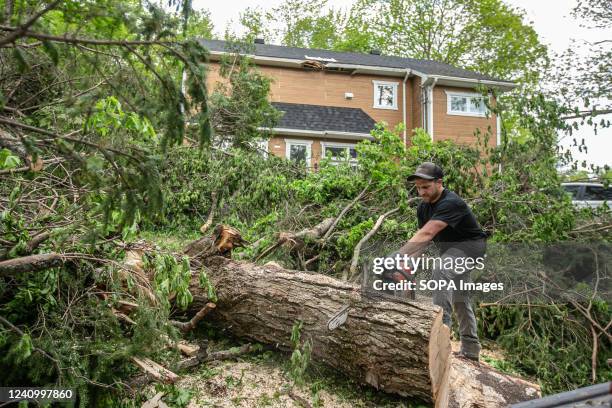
(297, 240)
(223, 240)
(401, 348)
(30, 263)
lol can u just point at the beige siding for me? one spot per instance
(327, 88)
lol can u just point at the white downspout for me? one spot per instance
(404, 105)
(424, 110)
(499, 141)
(498, 126)
(430, 124)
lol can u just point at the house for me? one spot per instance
(331, 100)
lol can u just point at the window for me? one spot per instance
(597, 193)
(466, 104)
(573, 190)
(298, 151)
(339, 152)
(261, 146)
(385, 95)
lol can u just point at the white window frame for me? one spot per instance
(325, 145)
(307, 143)
(375, 85)
(262, 147)
(470, 95)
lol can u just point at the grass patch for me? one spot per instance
(172, 241)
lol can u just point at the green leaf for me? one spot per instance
(22, 64)
(8, 160)
(22, 349)
(94, 163)
(51, 51)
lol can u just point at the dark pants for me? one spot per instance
(458, 300)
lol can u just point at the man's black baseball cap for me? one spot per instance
(427, 171)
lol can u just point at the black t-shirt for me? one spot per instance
(462, 224)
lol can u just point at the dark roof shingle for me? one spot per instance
(424, 66)
(323, 118)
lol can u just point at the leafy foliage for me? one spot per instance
(551, 343)
(8, 160)
(300, 357)
(170, 277)
(239, 104)
(91, 96)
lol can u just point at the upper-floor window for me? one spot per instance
(466, 104)
(385, 95)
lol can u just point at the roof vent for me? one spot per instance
(375, 52)
(260, 41)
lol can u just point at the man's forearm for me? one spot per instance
(417, 244)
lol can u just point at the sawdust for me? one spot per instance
(248, 384)
(260, 382)
(489, 350)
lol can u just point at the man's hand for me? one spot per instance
(399, 276)
(407, 270)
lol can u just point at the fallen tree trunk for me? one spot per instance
(474, 385)
(401, 348)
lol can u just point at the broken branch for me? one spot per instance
(191, 324)
(211, 214)
(344, 211)
(155, 370)
(357, 250)
(216, 356)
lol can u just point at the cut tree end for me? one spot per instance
(439, 360)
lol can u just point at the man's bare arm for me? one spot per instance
(419, 241)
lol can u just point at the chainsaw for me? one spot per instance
(397, 275)
(388, 276)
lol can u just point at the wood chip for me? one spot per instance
(155, 401)
(155, 370)
(187, 349)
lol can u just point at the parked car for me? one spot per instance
(585, 194)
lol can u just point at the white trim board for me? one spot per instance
(318, 133)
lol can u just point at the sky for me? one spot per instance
(550, 18)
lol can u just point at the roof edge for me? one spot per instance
(318, 133)
(375, 70)
(448, 80)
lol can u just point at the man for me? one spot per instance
(445, 219)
